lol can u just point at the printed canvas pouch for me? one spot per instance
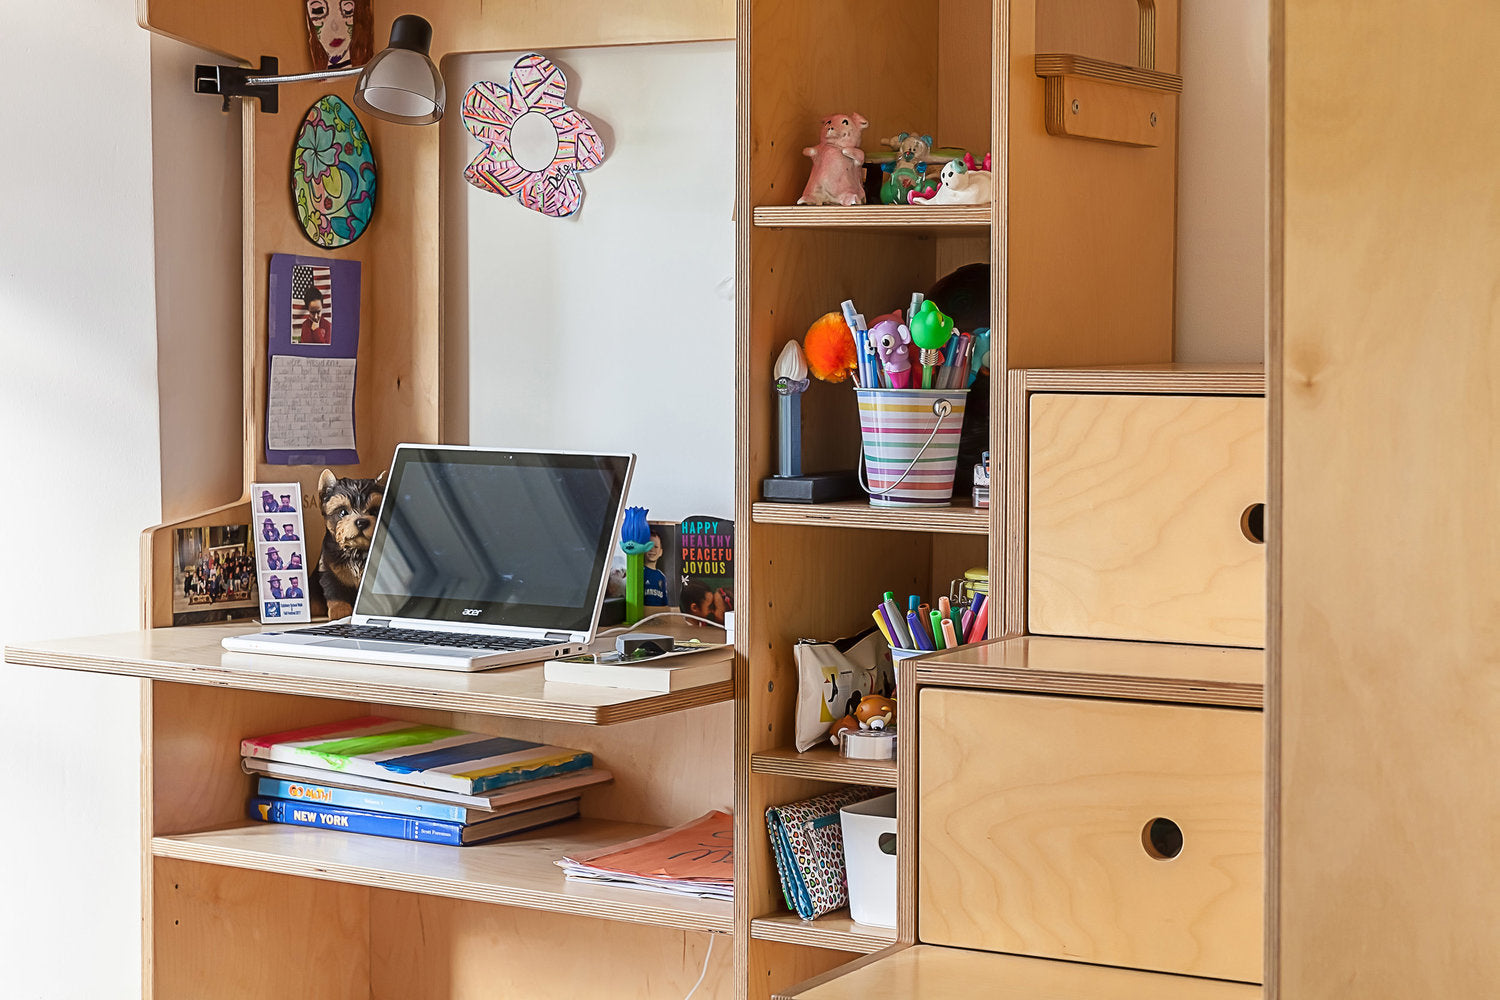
(833, 676)
(807, 840)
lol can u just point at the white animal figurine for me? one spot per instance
(964, 182)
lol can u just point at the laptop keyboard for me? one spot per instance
(419, 637)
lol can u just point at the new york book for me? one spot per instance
(312, 794)
(428, 831)
(428, 756)
(706, 552)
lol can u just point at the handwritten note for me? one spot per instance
(311, 403)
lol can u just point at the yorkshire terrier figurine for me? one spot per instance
(349, 508)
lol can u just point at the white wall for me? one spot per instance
(79, 465)
(1222, 183)
(613, 329)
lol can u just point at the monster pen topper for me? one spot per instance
(930, 330)
(635, 539)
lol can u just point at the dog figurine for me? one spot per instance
(349, 508)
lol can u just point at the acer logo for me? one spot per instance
(471, 612)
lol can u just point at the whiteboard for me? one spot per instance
(612, 329)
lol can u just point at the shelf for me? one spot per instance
(1173, 379)
(823, 763)
(512, 871)
(960, 519)
(1104, 668)
(192, 655)
(918, 219)
(832, 930)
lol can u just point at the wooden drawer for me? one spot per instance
(1036, 821)
(1140, 517)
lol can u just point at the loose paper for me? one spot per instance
(312, 404)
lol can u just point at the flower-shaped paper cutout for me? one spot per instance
(489, 112)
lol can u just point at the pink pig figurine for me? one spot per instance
(837, 174)
(892, 342)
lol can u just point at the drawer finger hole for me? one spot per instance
(1253, 523)
(1162, 839)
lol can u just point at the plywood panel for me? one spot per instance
(1386, 353)
(240, 935)
(1136, 519)
(423, 947)
(1091, 226)
(929, 973)
(1034, 819)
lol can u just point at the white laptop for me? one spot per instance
(481, 558)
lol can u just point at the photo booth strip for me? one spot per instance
(282, 567)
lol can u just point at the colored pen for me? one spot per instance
(879, 615)
(981, 619)
(945, 607)
(916, 302)
(968, 616)
(897, 622)
(918, 633)
(949, 635)
(913, 602)
(937, 628)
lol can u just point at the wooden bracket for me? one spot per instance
(1111, 102)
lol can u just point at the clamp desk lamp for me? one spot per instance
(399, 85)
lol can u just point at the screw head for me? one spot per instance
(1075, 107)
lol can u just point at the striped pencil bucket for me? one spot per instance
(910, 441)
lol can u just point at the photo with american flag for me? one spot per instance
(312, 304)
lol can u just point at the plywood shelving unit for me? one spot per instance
(1105, 209)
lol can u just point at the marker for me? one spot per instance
(968, 617)
(918, 633)
(916, 302)
(949, 635)
(937, 628)
(981, 619)
(879, 615)
(897, 621)
(945, 607)
(913, 602)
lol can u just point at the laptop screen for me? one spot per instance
(509, 538)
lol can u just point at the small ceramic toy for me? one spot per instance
(892, 341)
(964, 182)
(875, 711)
(930, 330)
(909, 171)
(836, 175)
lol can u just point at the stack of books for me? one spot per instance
(391, 778)
(695, 859)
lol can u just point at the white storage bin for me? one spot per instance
(870, 859)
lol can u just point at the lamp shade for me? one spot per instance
(401, 84)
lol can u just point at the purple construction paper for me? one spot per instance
(343, 342)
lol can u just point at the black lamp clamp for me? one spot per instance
(234, 81)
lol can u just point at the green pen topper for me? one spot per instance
(930, 330)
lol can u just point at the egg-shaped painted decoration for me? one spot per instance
(333, 174)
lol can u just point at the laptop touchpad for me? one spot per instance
(376, 646)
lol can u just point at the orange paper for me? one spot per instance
(700, 851)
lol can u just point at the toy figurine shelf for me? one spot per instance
(834, 930)
(912, 219)
(512, 871)
(959, 519)
(823, 763)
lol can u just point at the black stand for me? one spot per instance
(821, 487)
